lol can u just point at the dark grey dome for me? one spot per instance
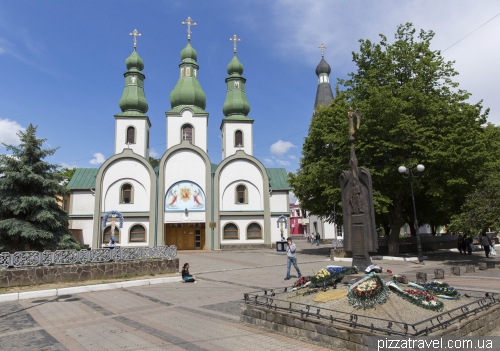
(323, 67)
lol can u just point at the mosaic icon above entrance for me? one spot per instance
(184, 195)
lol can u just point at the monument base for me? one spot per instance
(361, 262)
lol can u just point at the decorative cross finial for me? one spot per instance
(189, 22)
(135, 34)
(234, 39)
(322, 47)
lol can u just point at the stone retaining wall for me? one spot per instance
(81, 272)
(238, 247)
(341, 336)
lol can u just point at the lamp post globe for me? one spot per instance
(408, 173)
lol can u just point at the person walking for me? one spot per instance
(468, 243)
(311, 239)
(486, 243)
(291, 258)
(318, 238)
(461, 244)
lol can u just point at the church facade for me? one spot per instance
(237, 203)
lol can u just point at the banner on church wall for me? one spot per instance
(184, 195)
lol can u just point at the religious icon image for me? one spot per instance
(355, 198)
(184, 195)
(198, 199)
(173, 199)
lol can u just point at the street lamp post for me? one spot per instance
(408, 173)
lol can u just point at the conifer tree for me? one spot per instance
(29, 215)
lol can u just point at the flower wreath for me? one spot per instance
(330, 275)
(418, 297)
(301, 282)
(368, 292)
(441, 290)
(400, 279)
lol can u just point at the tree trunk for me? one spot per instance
(433, 228)
(387, 229)
(397, 223)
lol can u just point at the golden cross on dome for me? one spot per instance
(189, 22)
(322, 47)
(135, 34)
(234, 39)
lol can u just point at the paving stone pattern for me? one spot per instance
(176, 316)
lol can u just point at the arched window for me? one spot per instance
(187, 133)
(241, 194)
(107, 235)
(126, 194)
(254, 231)
(230, 231)
(130, 135)
(137, 233)
(238, 138)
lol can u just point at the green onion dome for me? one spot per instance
(134, 61)
(189, 53)
(188, 91)
(235, 66)
(133, 101)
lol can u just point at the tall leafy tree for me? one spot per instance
(413, 112)
(481, 209)
(67, 174)
(29, 214)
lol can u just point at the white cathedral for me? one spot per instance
(236, 203)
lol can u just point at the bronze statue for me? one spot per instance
(357, 205)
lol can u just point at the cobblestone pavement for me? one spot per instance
(182, 316)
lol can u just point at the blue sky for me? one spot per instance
(63, 63)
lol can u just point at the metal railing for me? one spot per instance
(269, 300)
(339, 243)
(47, 258)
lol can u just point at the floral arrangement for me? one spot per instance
(301, 282)
(368, 292)
(441, 290)
(400, 279)
(330, 275)
(418, 297)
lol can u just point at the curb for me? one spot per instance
(387, 258)
(85, 288)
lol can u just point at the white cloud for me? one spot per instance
(98, 159)
(339, 25)
(2, 51)
(8, 131)
(282, 162)
(268, 161)
(68, 165)
(281, 147)
(153, 153)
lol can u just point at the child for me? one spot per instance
(188, 278)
